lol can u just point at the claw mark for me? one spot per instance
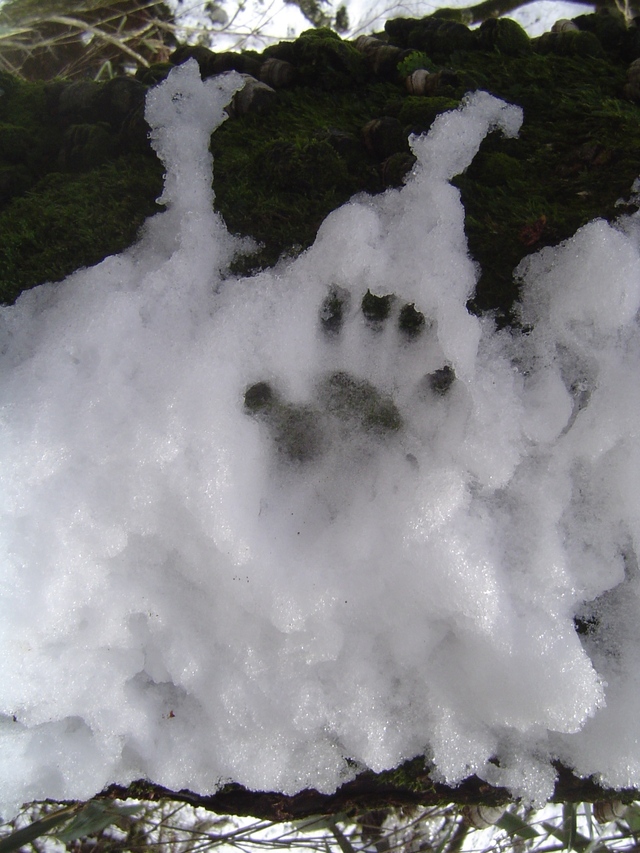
(333, 310)
(411, 321)
(376, 309)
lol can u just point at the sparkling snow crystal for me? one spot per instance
(252, 528)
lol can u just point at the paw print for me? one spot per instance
(346, 408)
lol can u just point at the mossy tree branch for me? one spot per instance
(480, 12)
(409, 785)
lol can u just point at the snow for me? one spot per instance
(353, 566)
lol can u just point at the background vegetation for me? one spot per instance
(146, 827)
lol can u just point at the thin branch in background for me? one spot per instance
(167, 826)
(45, 40)
(104, 36)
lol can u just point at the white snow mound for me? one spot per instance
(378, 553)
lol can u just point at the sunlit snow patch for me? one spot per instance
(254, 528)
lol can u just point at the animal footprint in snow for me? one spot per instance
(346, 407)
(368, 398)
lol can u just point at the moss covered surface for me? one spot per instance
(67, 222)
(77, 177)
(577, 155)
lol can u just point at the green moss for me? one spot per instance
(536, 190)
(610, 28)
(22, 101)
(417, 112)
(323, 60)
(67, 222)
(25, 140)
(14, 180)
(416, 59)
(569, 43)
(505, 36)
(14, 142)
(437, 37)
(569, 106)
(277, 176)
(412, 776)
(497, 169)
(85, 146)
